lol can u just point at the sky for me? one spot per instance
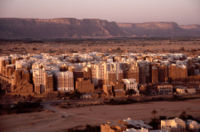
(126, 11)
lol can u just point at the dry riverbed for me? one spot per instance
(55, 118)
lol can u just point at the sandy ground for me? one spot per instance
(59, 119)
(111, 46)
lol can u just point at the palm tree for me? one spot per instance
(183, 115)
(154, 112)
(154, 122)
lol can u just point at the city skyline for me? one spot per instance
(130, 11)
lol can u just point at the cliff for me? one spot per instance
(15, 28)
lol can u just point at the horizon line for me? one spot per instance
(96, 19)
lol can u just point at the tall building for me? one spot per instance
(43, 81)
(38, 80)
(4, 60)
(132, 72)
(21, 82)
(106, 73)
(177, 72)
(154, 74)
(82, 73)
(144, 72)
(49, 82)
(163, 73)
(65, 81)
(112, 73)
(84, 85)
(97, 73)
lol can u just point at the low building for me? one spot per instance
(181, 90)
(126, 125)
(137, 124)
(193, 126)
(191, 91)
(131, 84)
(112, 127)
(165, 89)
(173, 125)
(136, 130)
(108, 90)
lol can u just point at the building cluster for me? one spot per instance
(168, 125)
(109, 74)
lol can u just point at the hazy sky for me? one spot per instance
(181, 11)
